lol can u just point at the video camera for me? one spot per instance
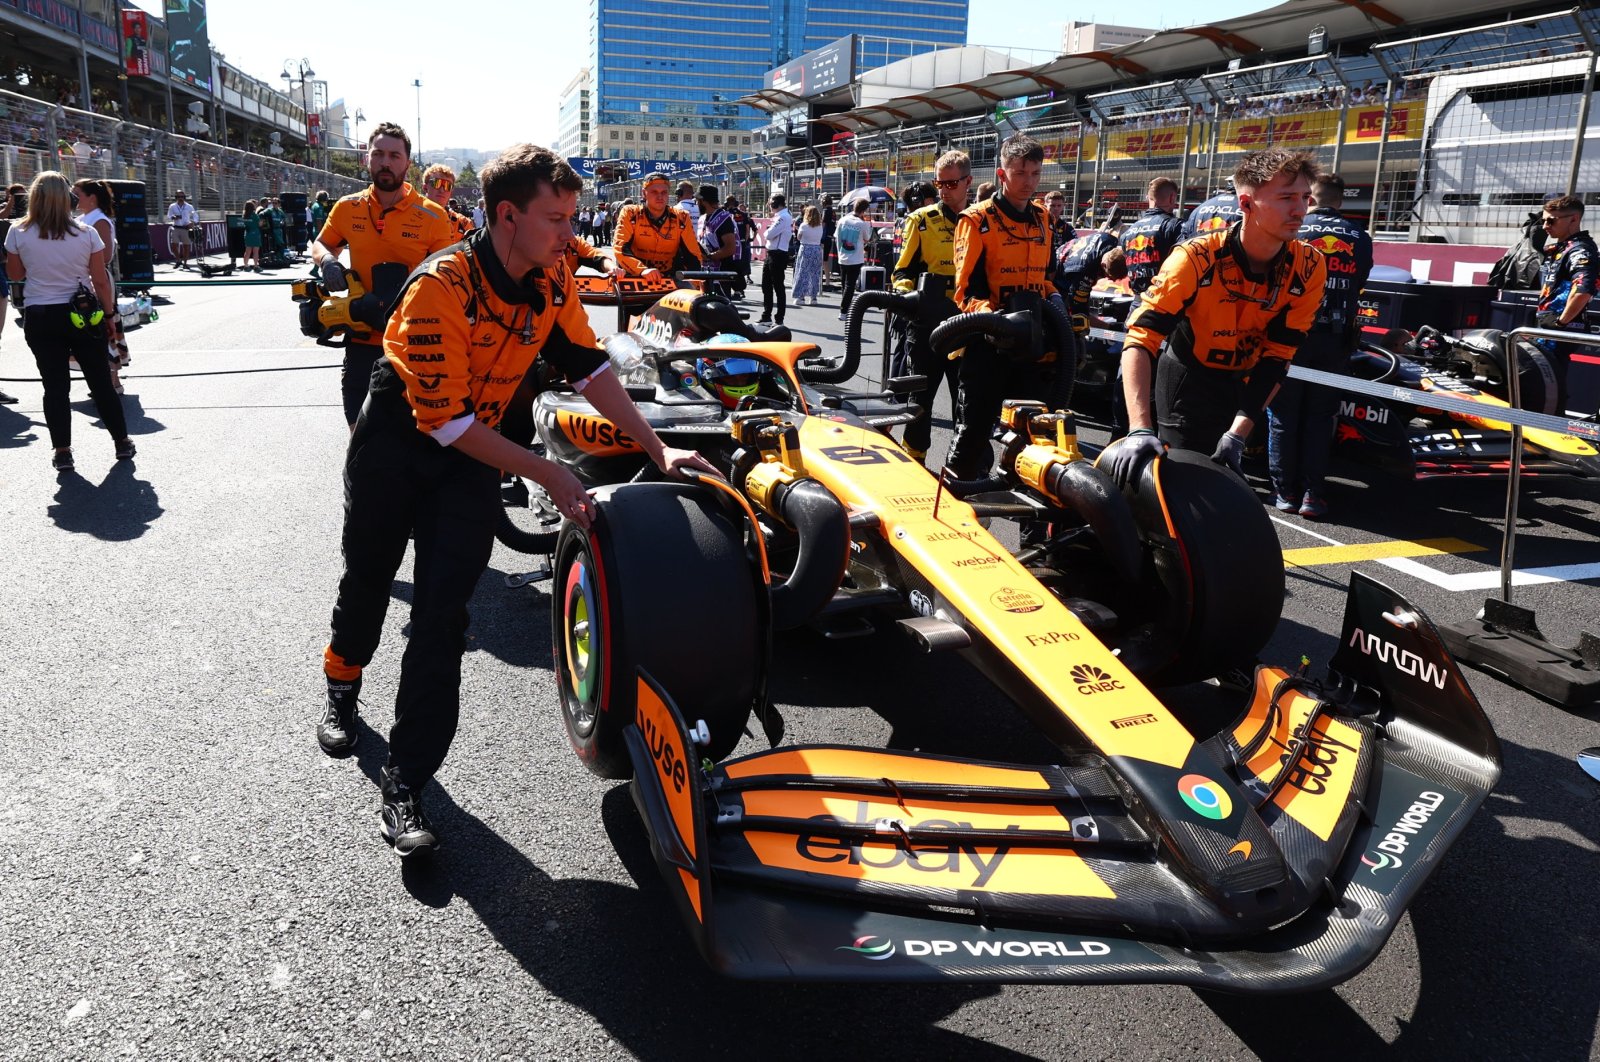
(353, 316)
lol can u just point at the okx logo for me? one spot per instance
(870, 947)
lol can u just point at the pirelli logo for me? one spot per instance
(431, 403)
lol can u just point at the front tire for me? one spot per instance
(661, 581)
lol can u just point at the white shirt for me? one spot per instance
(182, 214)
(55, 267)
(780, 230)
(856, 231)
(477, 217)
(97, 215)
(810, 235)
(690, 207)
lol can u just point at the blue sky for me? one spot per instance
(492, 70)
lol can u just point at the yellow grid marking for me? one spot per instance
(1365, 551)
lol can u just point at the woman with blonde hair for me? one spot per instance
(71, 305)
(808, 267)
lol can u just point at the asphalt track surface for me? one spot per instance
(186, 876)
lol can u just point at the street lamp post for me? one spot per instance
(417, 84)
(303, 68)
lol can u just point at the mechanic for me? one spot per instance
(1215, 332)
(1153, 234)
(1055, 207)
(425, 456)
(1300, 420)
(651, 238)
(384, 222)
(1002, 247)
(1080, 265)
(438, 181)
(687, 202)
(928, 246)
(1215, 214)
(717, 232)
(1567, 280)
(181, 216)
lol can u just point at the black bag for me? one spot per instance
(1520, 267)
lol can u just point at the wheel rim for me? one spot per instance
(583, 643)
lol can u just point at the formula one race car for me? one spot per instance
(1275, 855)
(1429, 444)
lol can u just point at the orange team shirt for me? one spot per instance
(640, 242)
(407, 232)
(460, 223)
(1213, 312)
(999, 250)
(457, 362)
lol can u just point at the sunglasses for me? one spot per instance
(957, 183)
(1551, 220)
(439, 182)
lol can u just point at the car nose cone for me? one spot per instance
(1589, 760)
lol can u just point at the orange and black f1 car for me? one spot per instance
(1275, 855)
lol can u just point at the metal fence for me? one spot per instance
(36, 136)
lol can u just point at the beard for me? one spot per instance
(385, 181)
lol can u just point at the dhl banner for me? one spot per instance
(1365, 125)
(1162, 141)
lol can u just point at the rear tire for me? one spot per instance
(661, 582)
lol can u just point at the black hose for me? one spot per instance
(1057, 321)
(823, 529)
(1093, 495)
(964, 326)
(888, 301)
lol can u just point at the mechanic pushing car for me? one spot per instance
(928, 248)
(1216, 330)
(1002, 248)
(388, 221)
(652, 238)
(425, 456)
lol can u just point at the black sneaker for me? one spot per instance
(401, 820)
(336, 733)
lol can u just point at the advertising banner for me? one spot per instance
(135, 43)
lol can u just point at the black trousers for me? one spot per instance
(1194, 406)
(988, 378)
(850, 278)
(1301, 425)
(355, 377)
(772, 284)
(53, 340)
(396, 479)
(938, 369)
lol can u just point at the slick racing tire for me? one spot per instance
(1218, 587)
(660, 582)
(1537, 383)
(534, 527)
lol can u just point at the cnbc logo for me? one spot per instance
(1091, 680)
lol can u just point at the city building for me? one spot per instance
(667, 75)
(573, 122)
(1080, 37)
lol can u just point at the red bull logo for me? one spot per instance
(1215, 223)
(1141, 242)
(1330, 244)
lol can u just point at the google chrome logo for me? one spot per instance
(1204, 796)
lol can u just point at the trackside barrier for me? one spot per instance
(1504, 639)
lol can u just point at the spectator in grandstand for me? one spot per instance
(438, 181)
(686, 202)
(1002, 247)
(1153, 234)
(1218, 212)
(1569, 279)
(853, 237)
(180, 215)
(780, 241)
(1300, 420)
(717, 232)
(927, 249)
(808, 266)
(70, 306)
(1055, 208)
(252, 238)
(413, 229)
(1211, 339)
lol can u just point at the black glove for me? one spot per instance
(1548, 319)
(1230, 452)
(333, 279)
(1123, 459)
